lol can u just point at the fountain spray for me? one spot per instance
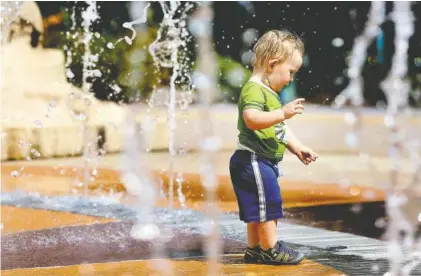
(354, 91)
(9, 10)
(396, 89)
(400, 196)
(205, 81)
(136, 177)
(165, 50)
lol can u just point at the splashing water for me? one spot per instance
(205, 80)
(89, 16)
(69, 34)
(358, 56)
(401, 197)
(248, 6)
(136, 178)
(165, 50)
(9, 10)
(396, 90)
(129, 25)
(354, 91)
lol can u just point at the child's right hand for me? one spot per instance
(293, 108)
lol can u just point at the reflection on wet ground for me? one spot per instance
(42, 200)
(365, 219)
(110, 242)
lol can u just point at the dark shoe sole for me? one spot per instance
(294, 262)
(252, 262)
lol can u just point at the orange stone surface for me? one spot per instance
(22, 219)
(61, 181)
(230, 265)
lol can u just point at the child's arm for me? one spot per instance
(305, 154)
(256, 119)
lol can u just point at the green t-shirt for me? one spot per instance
(269, 142)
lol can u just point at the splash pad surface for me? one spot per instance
(70, 226)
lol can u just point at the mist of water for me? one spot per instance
(205, 80)
(165, 50)
(9, 10)
(402, 253)
(401, 197)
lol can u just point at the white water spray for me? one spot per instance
(400, 197)
(165, 50)
(354, 91)
(205, 81)
(9, 10)
(129, 25)
(396, 89)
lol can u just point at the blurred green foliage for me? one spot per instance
(130, 67)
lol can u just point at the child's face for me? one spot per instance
(281, 74)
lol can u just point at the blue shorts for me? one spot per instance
(255, 181)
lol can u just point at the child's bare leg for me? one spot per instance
(252, 234)
(267, 234)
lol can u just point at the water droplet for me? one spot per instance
(14, 173)
(356, 208)
(354, 191)
(23, 144)
(337, 42)
(351, 140)
(350, 118)
(35, 153)
(389, 121)
(70, 74)
(236, 76)
(369, 194)
(375, 268)
(417, 61)
(380, 223)
(211, 143)
(338, 80)
(145, 232)
(38, 124)
(250, 36)
(179, 178)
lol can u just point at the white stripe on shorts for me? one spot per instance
(260, 188)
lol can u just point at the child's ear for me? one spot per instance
(271, 64)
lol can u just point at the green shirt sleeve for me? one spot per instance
(252, 97)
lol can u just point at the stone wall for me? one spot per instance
(321, 128)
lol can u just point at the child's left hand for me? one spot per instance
(306, 155)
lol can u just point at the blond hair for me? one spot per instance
(279, 44)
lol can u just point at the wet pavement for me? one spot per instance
(95, 229)
(110, 242)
